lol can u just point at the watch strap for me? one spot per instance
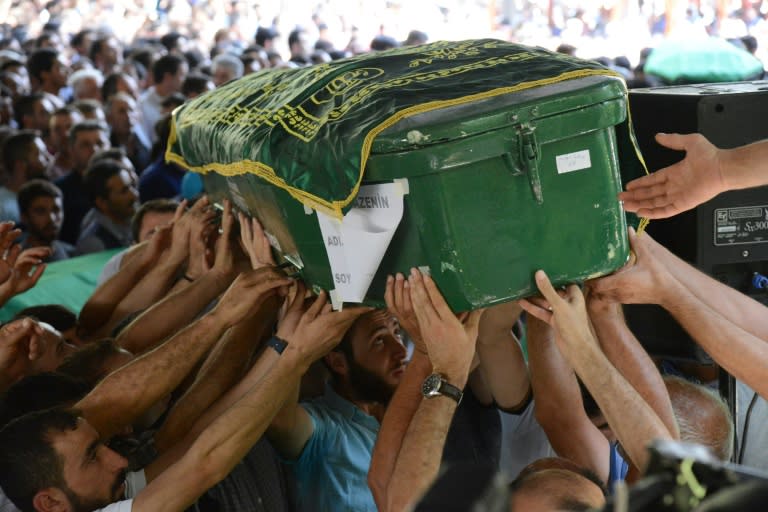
(436, 385)
(278, 344)
(451, 391)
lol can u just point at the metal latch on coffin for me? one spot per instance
(529, 158)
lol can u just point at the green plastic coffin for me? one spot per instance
(495, 190)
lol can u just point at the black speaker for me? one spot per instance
(726, 237)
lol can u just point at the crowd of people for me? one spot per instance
(200, 376)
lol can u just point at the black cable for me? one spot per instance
(746, 427)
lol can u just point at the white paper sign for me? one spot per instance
(357, 244)
(573, 161)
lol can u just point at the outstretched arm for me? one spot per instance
(160, 278)
(224, 366)
(101, 305)
(226, 441)
(705, 172)
(633, 421)
(559, 406)
(125, 394)
(292, 426)
(501, 359)
(180, 308)
(630, 358)
(645, 279)
(451, 347)
(742, 354)
(738, 308)
(739, 348)
(407, 396)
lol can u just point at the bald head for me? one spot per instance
(702, 416)
(555, 489)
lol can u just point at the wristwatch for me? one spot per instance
(436, 385)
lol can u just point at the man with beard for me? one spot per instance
(42, 215)
(24, 158)
(330, 439)
(112, 189)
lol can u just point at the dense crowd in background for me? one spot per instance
(77, 90)
(200, 374)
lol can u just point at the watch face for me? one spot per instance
(431, 385)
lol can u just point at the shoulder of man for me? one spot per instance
(89, 240)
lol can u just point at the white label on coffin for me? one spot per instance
(357, 244)
(573, 161)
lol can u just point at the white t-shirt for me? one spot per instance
(135, 482)
(5, 504)
(111, 267)
(120, 506)
(522, 441)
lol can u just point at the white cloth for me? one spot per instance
(120, 506)
(5, 503)
(522, 441)
(111, 267)
(135, 482)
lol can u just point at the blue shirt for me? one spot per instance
(618, 469)
(160, 180)
(332, 470)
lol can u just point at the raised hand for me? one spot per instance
(27, 269)
(644, 280)
(248, 292)
(254, 242)
(397, 296)
(201, 213)
(203, 236)
(695, 179)
(157, 244)
(319, 328)
(8, 250)
(293, 308)
(565, 311)
(20, 345)
(449, 342)
(224, 256)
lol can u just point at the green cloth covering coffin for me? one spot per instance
(511, 155)
(702, 60)
(69, 283)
